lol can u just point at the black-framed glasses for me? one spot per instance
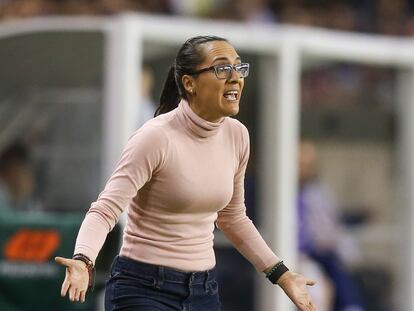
(226, 71)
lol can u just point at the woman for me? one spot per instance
(180, 174)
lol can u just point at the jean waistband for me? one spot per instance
(167, 274)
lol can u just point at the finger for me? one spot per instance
(63, 261)
(309, 307)
(305, 305)
(65, 287)
(83, 295)
(313, 307)
(77, 295)
(301, 305)
(310, 282)
(72, 292)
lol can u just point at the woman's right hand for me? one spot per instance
(76, 279)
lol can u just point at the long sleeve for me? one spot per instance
(142, 157)
(235, 224)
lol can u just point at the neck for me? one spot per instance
(206, 115)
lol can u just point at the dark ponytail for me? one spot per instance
(169, 97)
(188, 58)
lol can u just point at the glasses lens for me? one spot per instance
(242, 69)
(223, 71)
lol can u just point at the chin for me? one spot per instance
(234, 110)
(231, 110)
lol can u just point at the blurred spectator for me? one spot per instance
(293, 12)
(25, 8)
(16, 179)
(390, 17)
(320, 230)
(341, 16)
(192, 7)
(251, 11)
(332, 85)
(348, 85)
(145, 6)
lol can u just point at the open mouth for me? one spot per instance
(231, 95)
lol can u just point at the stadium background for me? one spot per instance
(72, 84)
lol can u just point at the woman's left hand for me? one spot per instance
(295, 286)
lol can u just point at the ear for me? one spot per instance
(188, 83)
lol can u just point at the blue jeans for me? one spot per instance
(137, 286)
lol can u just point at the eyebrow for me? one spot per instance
(224, 58)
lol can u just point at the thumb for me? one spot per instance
(310, 282)
(63, 261)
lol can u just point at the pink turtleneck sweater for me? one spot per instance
(178, 176)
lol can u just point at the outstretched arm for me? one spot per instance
(142, 157)
(242, 233)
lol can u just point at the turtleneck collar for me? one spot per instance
(195, 124)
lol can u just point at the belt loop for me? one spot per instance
(160, 278)
(207, 275)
